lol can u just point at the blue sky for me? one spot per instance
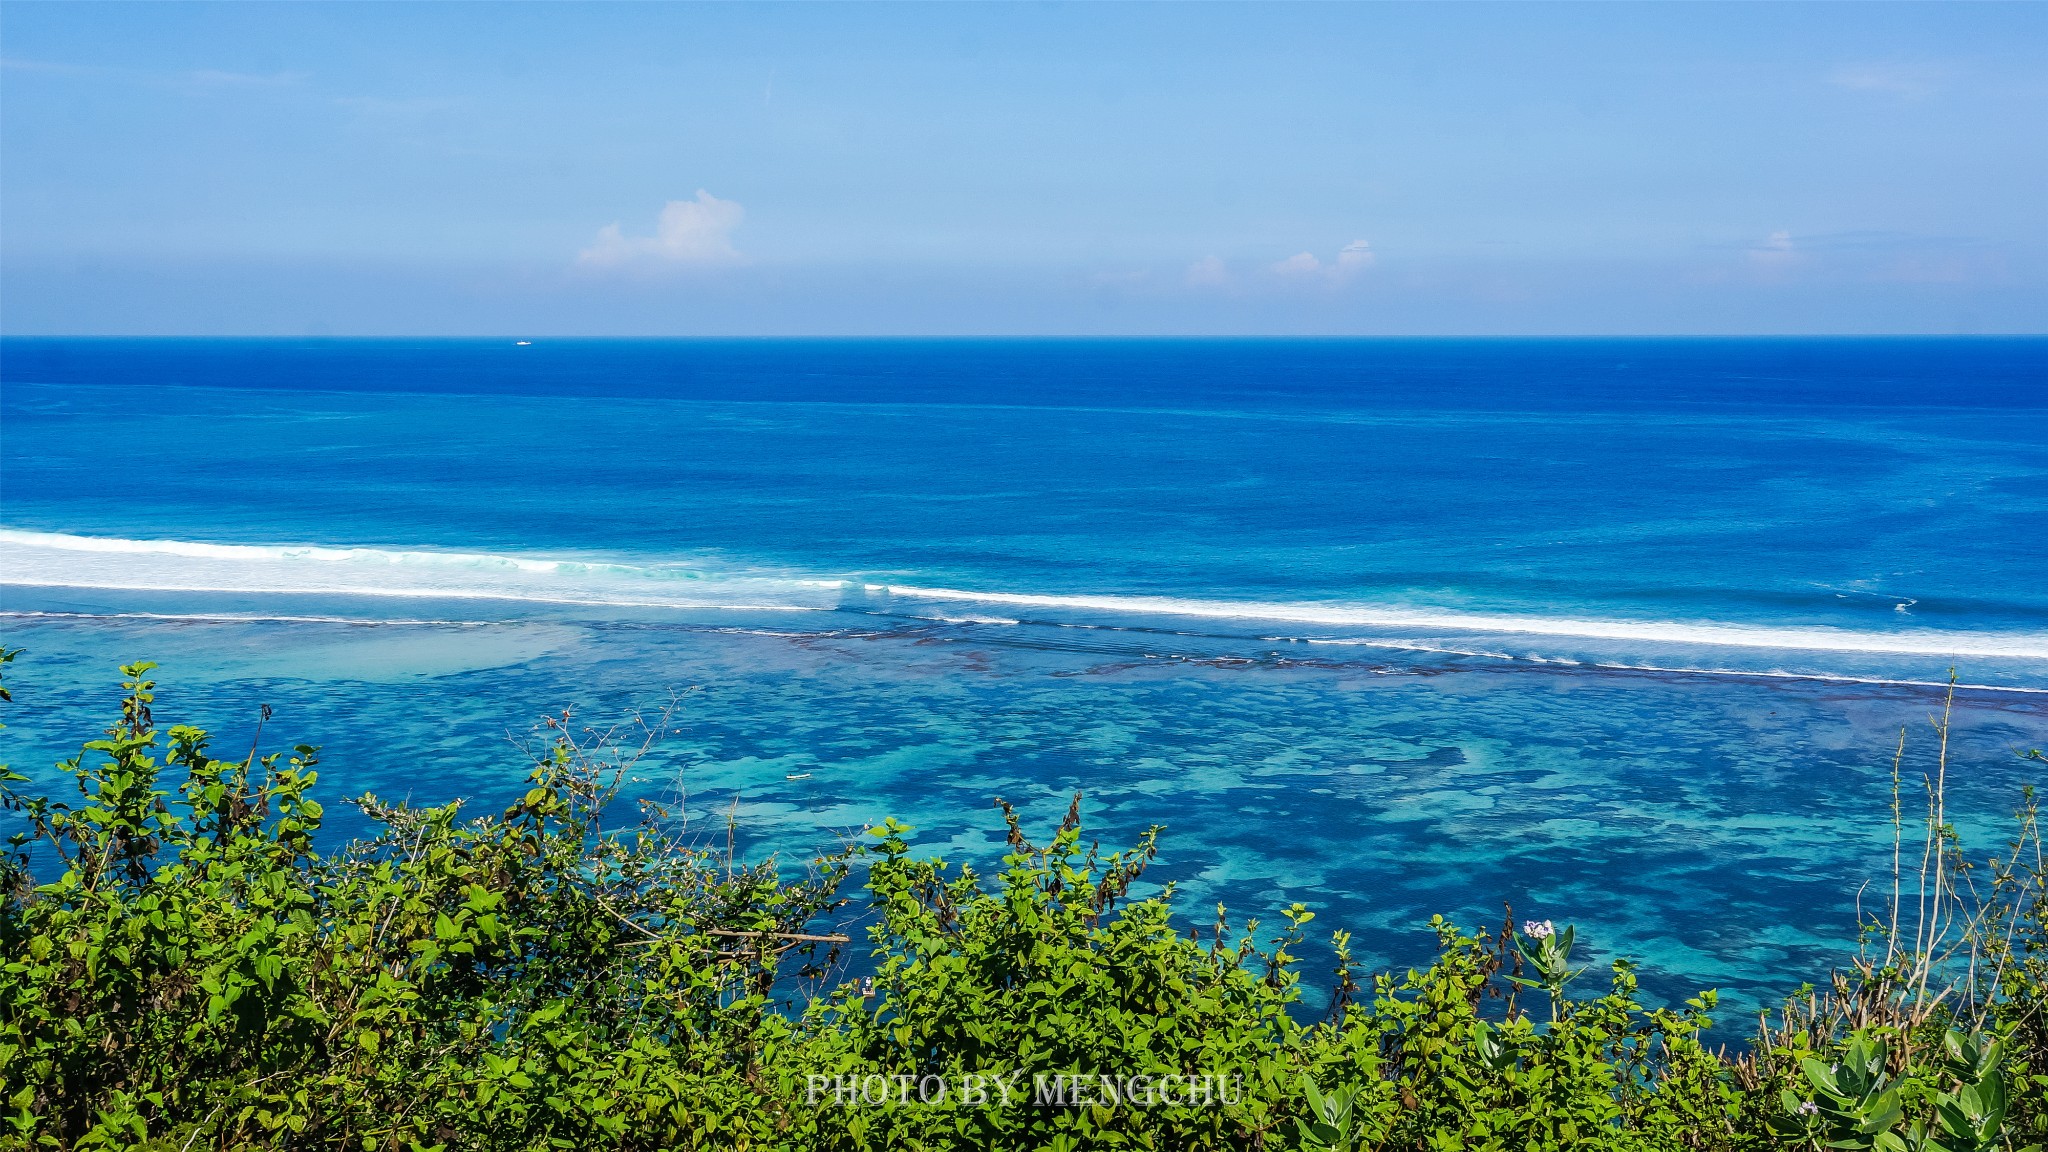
(1202, 169)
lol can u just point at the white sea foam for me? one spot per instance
(56, 560)
(419, 592)
(356, 557)
(1922, 642)
(249, 618)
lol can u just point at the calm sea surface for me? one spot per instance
(1622, 632)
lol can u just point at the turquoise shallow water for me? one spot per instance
(1623, 633)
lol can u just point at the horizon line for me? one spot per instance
(1075, 336)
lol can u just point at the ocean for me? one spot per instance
(1622, 633)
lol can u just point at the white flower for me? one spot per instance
(1537, 930)
(1808, 1108)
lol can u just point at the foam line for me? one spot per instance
(360, 557)
(248, 618)
(2009, 646)
(1826, 678)
(424, 593)
(56, 560)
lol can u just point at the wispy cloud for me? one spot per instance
(688, 232)
(1860, 257)
(1778, 257)
(1299, 264)
(1350, 260)
(1896, 78)
(1208, 272)
(1300, 268)
(1776, 251)
(1355, 257)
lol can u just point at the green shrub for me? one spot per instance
(187, 969)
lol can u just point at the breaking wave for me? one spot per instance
(57, 560)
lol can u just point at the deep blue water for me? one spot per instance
(1621, 631)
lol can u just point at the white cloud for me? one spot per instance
(1897, 79)
(1300, 268)
(1779, 257)
(688, 232)
(1355, 257)
(1350, 260)
(1299, 264)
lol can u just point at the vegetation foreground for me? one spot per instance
(187, 971)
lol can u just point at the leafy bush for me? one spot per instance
(186, 969)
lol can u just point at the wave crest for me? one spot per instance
(58, 560)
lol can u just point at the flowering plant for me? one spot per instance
(1547, 952)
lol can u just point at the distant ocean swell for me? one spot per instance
(55, 561)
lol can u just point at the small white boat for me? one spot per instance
(521, 343)
(798, 776)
